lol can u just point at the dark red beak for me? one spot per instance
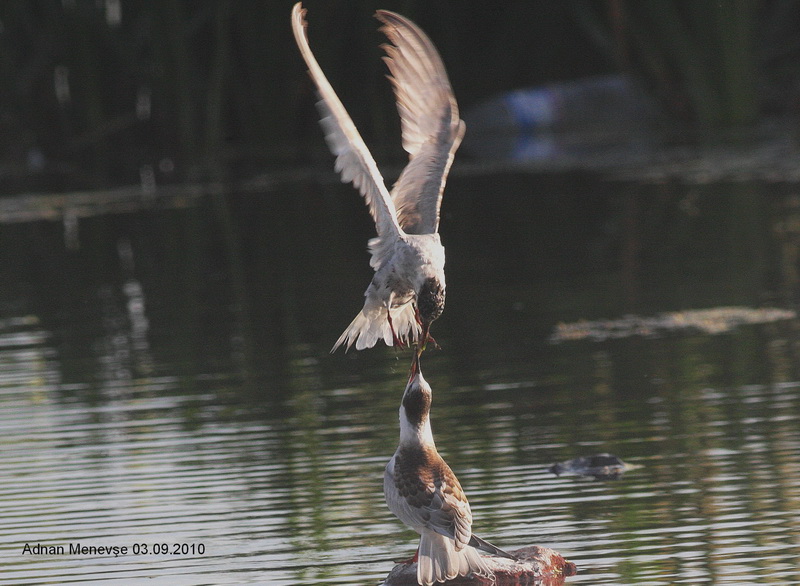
(415, 363)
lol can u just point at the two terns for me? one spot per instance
(407, 292)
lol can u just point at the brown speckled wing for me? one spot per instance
(432, 494)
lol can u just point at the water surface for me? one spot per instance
(166, 380)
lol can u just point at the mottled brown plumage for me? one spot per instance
(430, 301)
(421, 474)
(424, 493)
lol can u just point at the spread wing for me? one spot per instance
(432, 130)
(354, 162)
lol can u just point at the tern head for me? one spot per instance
(415, 408)
(430, 300)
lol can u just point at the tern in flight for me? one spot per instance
(422, 491)
(408, 289)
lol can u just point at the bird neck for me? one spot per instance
(417, 434)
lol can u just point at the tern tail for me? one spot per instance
(439, 560)
(371, 325)
(483, 545)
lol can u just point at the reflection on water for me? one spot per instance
(168, 382)
(716, 320)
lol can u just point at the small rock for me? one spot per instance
(601, 466)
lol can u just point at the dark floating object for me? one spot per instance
(534, 566)
(601, 466)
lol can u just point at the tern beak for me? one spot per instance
(426, 328)
(415, 364)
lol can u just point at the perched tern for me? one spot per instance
(407, 292)
(422, 491)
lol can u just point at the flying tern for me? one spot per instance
(407, 292)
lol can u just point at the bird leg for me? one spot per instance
(395, 340)
(410, 560)
(426, 336)
(417, 316)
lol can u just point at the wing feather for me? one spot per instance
(429, 495)
(430, 124)
(354, 163)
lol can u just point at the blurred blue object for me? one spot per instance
(562, 119)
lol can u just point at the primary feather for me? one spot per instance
(431, 128)
(407, 254)
(354, 162)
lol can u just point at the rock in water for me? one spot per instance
(534, 566)
(601, 466)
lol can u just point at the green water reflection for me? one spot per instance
(172, 371)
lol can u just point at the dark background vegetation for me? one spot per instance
(98, 93)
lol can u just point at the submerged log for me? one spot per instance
(534, 566)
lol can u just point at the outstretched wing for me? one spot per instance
(354, 162)
(432, 130)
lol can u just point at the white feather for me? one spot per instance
(371, 325)
(354, 162)
(407, 251)
(431, 128)
(439, 561)
(445, 524)
(400, 270)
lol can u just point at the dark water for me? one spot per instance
(166, 383)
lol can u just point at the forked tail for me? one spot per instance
(371, 324)
(483, 545)
(439, 561)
